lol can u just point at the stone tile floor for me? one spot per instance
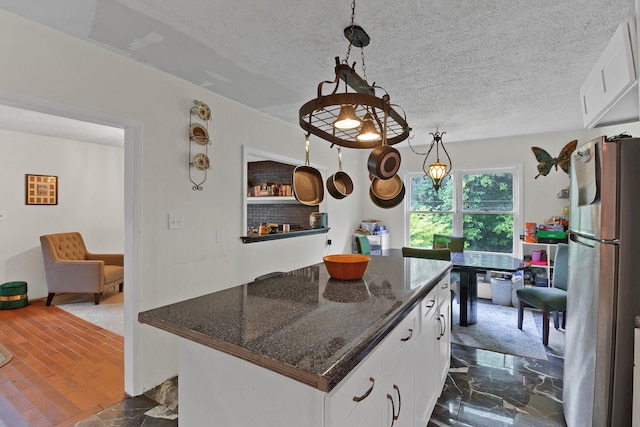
(139, 411)
(491, 389)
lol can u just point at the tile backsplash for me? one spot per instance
(272, 172)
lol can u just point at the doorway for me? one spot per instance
(36, 113)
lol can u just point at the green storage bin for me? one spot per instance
(546, 234)
(13, 295)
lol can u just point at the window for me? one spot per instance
(483, 205)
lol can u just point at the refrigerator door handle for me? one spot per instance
(574, 238)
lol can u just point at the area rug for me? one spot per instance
(5, 356)
(497, 330)
(109, 314)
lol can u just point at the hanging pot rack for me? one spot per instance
(318, 115)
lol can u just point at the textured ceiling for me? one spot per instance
(475, 69)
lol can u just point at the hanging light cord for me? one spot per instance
(353, 16)
(351, 37)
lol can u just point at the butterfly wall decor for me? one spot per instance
(546, 162)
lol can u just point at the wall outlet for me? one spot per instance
(219, 235)
(176, 220)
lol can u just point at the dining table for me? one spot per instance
(469, 264)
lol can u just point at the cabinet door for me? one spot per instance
(399, 387)
(398, 354)
(611, 78)
(444, 341)
(425, 366)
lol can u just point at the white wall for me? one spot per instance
(41, 66)
(540, 195)
(90, 200)
(170, 265)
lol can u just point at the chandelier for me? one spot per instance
(437, 171)
(356, 117)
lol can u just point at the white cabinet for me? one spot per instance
(399, 387)
(380, 391)
(356, 400)
(550, 248)
(443, 357)
(609, 93)
(426, 369)
(389, 387)
(434, 350)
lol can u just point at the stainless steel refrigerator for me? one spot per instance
(603, 295)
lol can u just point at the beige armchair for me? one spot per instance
(69, 267)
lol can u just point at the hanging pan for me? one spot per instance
(339, 185)
(308, 187)
(384, 160)
(387, 193)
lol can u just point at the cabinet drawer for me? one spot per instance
(400, 340)
(428, 306)
(355, 393)
(444, 289)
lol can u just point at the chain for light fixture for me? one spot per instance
(353, 118)
(436, 171)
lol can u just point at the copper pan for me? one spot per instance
(387, 193)
(339, 185)
(308, 187)
(384, 162)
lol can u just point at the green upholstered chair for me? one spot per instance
(362, 243)
(454, 243)
(548, 299)
(442, 254)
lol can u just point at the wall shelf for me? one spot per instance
(252, 238)
(550, 248)
(271, 200)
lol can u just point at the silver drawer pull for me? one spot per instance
(431, 303)
(444, 286)
(408, 337)
(367, 393)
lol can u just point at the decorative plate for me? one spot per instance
(199, 134)
(201, 161)
(202, 110)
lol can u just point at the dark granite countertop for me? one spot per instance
(303, 324)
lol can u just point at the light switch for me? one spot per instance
(219, 235)
(3, 215)
(176, 220)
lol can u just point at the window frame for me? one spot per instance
(457, 174)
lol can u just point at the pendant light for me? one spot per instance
(436, 171)
(347, 118)
(368, 131)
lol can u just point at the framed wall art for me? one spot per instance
(41, 190)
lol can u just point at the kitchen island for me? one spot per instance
(300, 348)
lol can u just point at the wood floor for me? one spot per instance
(63, 370)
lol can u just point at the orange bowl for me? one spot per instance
(346, 266)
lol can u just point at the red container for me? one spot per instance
(530, 230)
